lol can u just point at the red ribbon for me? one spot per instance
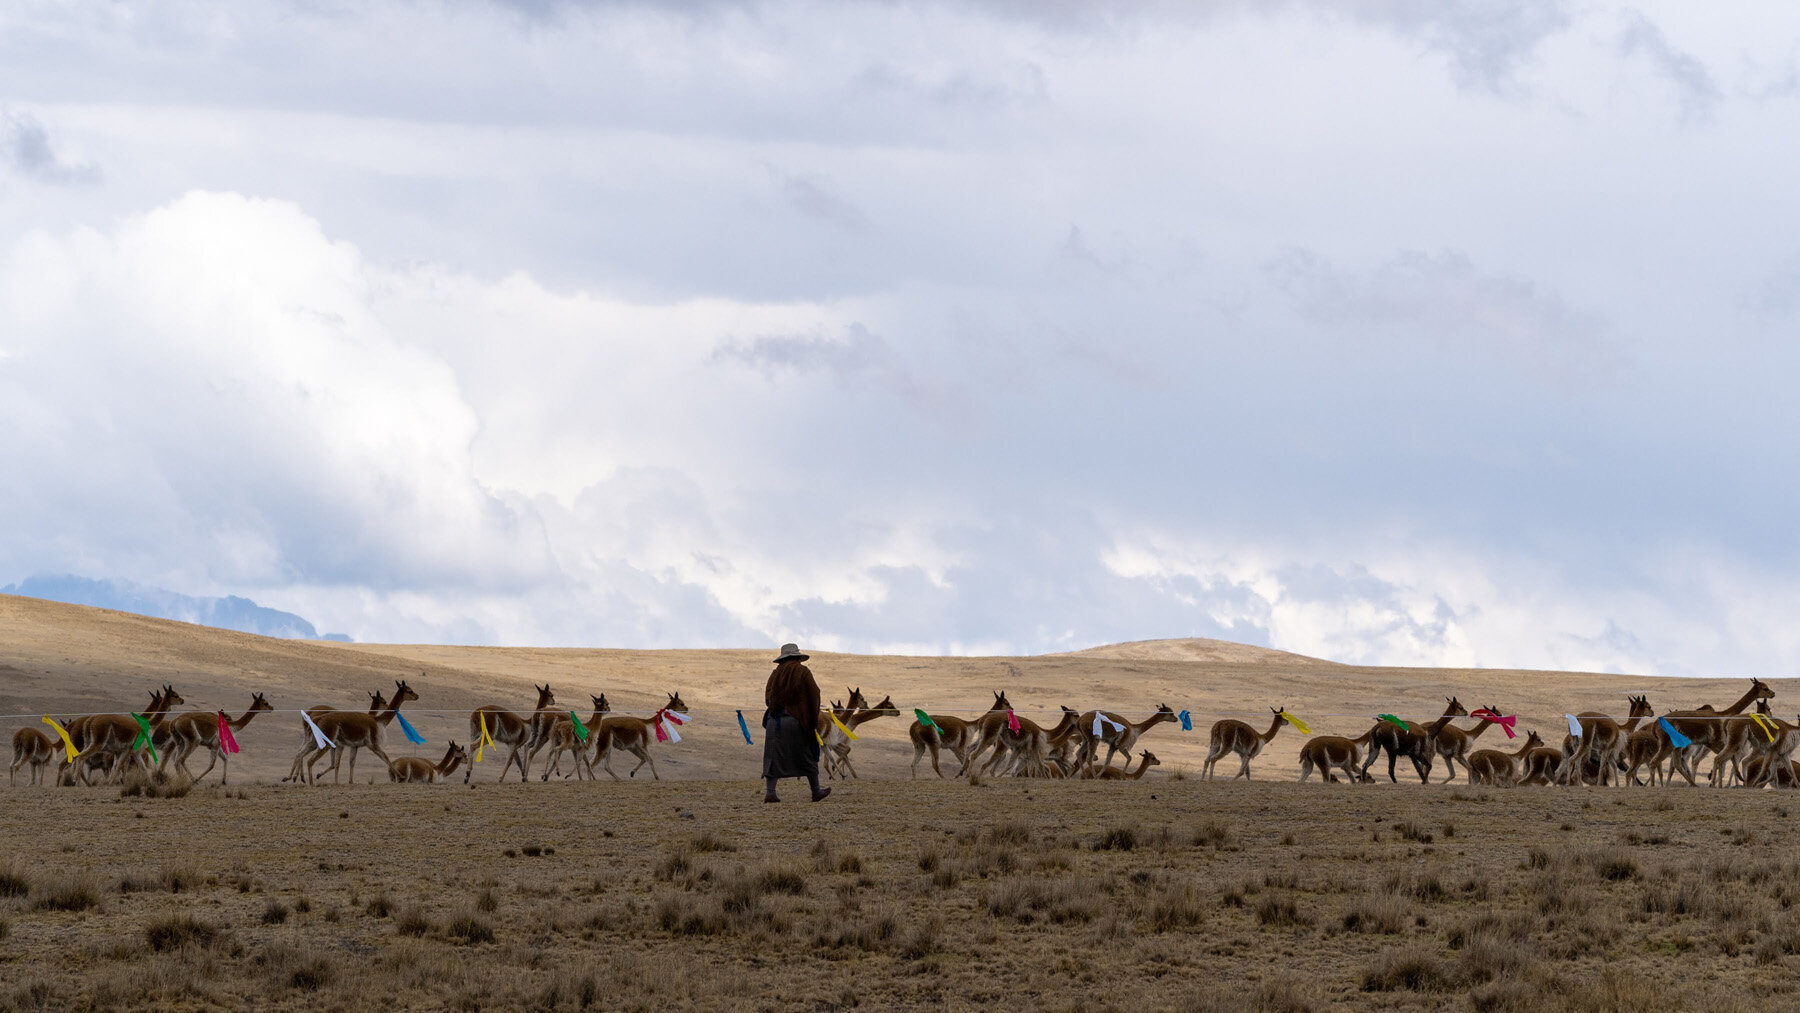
(226, 742)
(1012, 722)
(661, 716)
(1505, 722)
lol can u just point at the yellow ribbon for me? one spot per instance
(817, 736)
(68, 745)
(842, 728)
(1296, 722)
(1765, 724)
(485, 741)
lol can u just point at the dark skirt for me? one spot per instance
(788, 749)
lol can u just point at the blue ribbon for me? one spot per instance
(412, 736)
(1676, 739)
(744, 727)
(1187, 723)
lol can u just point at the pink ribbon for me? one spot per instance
(226, 742)
(1012, 722)
(1505, 722)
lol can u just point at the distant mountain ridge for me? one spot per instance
(1195, 649)
(229, 613)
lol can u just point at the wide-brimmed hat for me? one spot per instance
(791, 652)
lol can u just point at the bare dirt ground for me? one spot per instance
(1165, 893)
(1077, 895)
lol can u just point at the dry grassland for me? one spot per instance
(1162, 894)
(1165, 893)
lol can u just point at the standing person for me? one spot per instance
(791, 724)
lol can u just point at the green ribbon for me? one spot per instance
(1392, 720)
(581, 731)
(925, 719)
(143, 739)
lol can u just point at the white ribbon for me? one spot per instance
(319, 738)
(669, 726)
(1574, 725)
(677, 715)
(1098, 718)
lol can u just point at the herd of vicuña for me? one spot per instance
(1748, 743)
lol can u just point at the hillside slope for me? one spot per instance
(66, 659)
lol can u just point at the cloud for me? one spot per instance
(813, 197)
(1441, 298)
(25, 148)
(1694, 85)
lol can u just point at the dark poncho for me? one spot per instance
(791, 723)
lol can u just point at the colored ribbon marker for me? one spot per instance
(1012, 722)
(581, 730)
(666, 720)
(852, 735)
(1505, 721)
(1297, 723)
(1767, 726)
(1098, 719)
(144, 736)
(485, 741)
(1187, 723)
(412, 734)
(925, 720)
(1676, 739)
(744, 726)
(319, 738)
(1574, 725)
(68, 744)
(1392, 720)
(226, 741)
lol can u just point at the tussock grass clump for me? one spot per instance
(1612, 864)
(15, 879)
(155, 784)
(868, 930)
(1214, 835)
(179, 876)
(1411, 831)
(176, 932)
(1117, 839)
(1178, 907)
(274, 912)
(470, 927)
(1015, 832)
(1413, 969)
(923, 940)
(1381, 914)
(707, 843)
(569, 989)
(1279, 912)
(487, 901)
(68, 892)
(379, 906)
(300, 966)
(677, 862)
(411, 921)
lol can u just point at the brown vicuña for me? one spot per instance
(520, 735)
(414, 770)
(1230, 735)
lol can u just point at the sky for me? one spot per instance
(1410, 333)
